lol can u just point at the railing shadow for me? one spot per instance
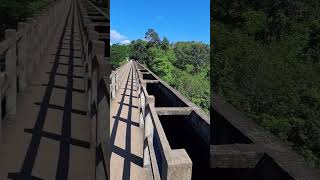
(126, 153)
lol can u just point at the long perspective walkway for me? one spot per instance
(49, 137)
(126, 135)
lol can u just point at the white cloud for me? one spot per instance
(116, 36)
(127, 41)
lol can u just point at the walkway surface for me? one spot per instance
(49, 137)
(126, 135)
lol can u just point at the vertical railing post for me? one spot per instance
(11, 70)
(178, 165)
(41, 37)
(148, 131)
(44, 34)
(1, 120)
(98, 48)
(114, 82)
(22, 54)
(146, 156)
(116, 79)
(36, 37)
(30, 49)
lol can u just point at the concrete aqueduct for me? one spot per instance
(56, 91)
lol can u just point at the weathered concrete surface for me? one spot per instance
(62, 150)
(126, 135)
(235, 156)
(173, 110)
(94, 29)
(179, 129)
(238, 142)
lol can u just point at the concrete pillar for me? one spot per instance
(148, 137)
(53, 17)
(30, 51)
(1, 120)
(51, 25)
(22, 54)
(138, 83)
(94, 87)
(37, 42)
(142, 105)
(43, 34)
(93, 103)
(103, 128)
(11, 71)
(112, 86)
(178, 165)
(94, 36)
(93, 143)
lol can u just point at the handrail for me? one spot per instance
(117, 77)
(198, 111)
(97, 77)
(158, 155)
(24, 47)
(252, 139)
(99, 10)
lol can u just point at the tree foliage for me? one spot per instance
(153, 38)
(139, 51)
(266, 62)
(14, 11)
(195, 54)
(118, 54)
(184, 65)
(165, 45)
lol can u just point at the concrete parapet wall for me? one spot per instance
(171, 162)
(97, 68)
(201, 120)
(243, 150)
(117, 77)
(23, 48)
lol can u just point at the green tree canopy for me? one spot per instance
(165, 45)
(119, 54)
(192, 53)
(265, 61)
(139, 51)
(153, 38)
(185, 75)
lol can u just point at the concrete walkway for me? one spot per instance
(126, 135)
(49, 137)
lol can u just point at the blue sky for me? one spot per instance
(178, 20)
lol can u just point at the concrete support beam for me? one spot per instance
(235, 156)
(173, 110)
(151, 81)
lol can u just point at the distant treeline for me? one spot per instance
(184, 65)
(14, 11)
(266, 62)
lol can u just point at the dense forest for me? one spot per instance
(183, 65)
(266, 62)
(14, 11)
